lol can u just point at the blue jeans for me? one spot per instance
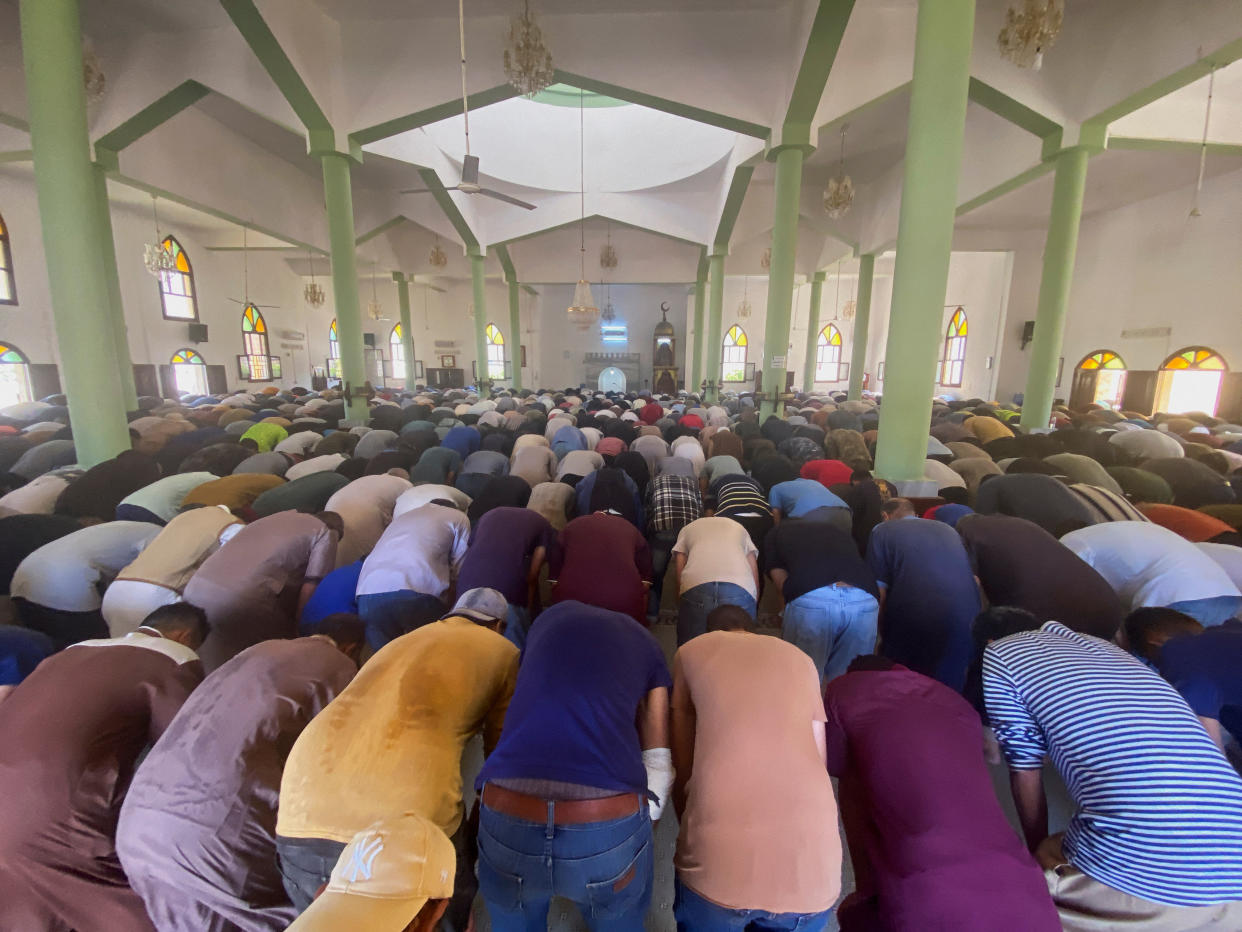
(517, 625)
(1210, 612)
(695, 914)
(388, 615)
(697, 603)
(833, 625)
(603, 867)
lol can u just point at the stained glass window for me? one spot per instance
(189, 372)
(495, 352)
(954, 350)
(1196, 357)
(733, 355)
(14, 376)
(398, 352)
(334, 351)
(1110, 377)
(177, 288)
(8, 286)
(257, 365)
(1191, 380)
(828, 355)
(1103, 359)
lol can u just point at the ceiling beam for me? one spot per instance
(733, 205)
(382, 228)
(17, 155)
(449, 207)
(822, 45)
(1017, 181)
(16, 122)
(152, 116)
(573, 223)
(1172, 145)
(434, 114)
(506, 262)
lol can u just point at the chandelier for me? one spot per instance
(765, 261)
(93, 78)
(608, 255)
(374, 308)
(839, 195)
(313, 293)
(436, 257)
(1030, 31)
(583, 313)
(528, 63)
(608, 314)
(155, 256)
(744, 309)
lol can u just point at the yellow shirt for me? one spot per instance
(392, 742)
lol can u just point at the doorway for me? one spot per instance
(612, 379)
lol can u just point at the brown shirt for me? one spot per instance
(180, 548)
(235, 492)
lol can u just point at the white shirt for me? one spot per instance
(65, 575)
(1148, 565)
(36, 497)
(421, 495)
(421, 552)
(299, 444)
(326, 463)
(1228, 558)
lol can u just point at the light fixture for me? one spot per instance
(765, 261)
(93, 78)
(1030, 30)
(374, 308)
(839, 195)
(1207, 120)
(744, 309)
(836, 305)
(583, 313)
(313, 293)
(608, 255)
(608, 314)
(155, 257)
(528, 63)
(436, 257)
(851, 306)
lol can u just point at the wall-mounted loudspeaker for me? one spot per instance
(198, 333)
(1028, 332)
(368, 339)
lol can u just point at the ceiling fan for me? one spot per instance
(245, 301)
(470, 165)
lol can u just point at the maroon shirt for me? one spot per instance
(930, 845)
(603, 561)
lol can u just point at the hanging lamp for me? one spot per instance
(527, 61)
(1031, 30)
(851, 306)
(313, 293)
(583, 313)
(155, 257)
(437, 257)
(744, 309)
(839, 195)
(374, 308)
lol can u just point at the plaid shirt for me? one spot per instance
(673, 502)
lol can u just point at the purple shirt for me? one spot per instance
(935, 850)
(501, 549)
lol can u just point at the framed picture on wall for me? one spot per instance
(749, 375)
(448, 362)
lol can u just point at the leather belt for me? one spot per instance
(564, 812)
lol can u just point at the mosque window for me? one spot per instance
(733, 355)
(190, 372)
(1190, 380)
(334, 351)
(954, 350)
(1109, 372)
(828, 355)
(495, 352)
(14, 376)
(177, 287)
(254, 365)
(8, 286)
(398, 351)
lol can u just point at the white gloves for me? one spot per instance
(659, 765)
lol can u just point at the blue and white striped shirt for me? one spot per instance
(1159, 809)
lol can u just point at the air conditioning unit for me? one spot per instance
(292, 335)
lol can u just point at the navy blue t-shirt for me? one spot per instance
(334, 594)
(583, 674)
(1207, 670)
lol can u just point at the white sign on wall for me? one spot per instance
(778, 362)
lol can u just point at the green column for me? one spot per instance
(64, 181)
(515, 333)
(862, 322)
(407, 328)
(812, 332)
(715, 306)
(694, 362)
(1054, 288)
(339, 199)
(477, 269)
(942, 47)
(116, 307)
(775, 361)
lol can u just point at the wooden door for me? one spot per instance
(1140, 393)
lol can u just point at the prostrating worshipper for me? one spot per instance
(237, 493)
(160, 573)
(498, 492)
(1196, 526)
(58, 589)
(1038, 498)
(741, 499)
(160, 501)
(831, 598)
(408, 575)
(395, 875)
(255, 587)
(21, 650)
(535, 463)
(1154, 842)
(197, 831)
(758, 846)
(928, 595)
(672, 503)
(392, 742)
(582, 769)
(717, 564)
(95, 495)
(336, 594)
(366, 507)
(929, 843)
(20, 536)
(1020, 564)
(1148, 565)
(603, 561)
(507, 551)
(808, 500)
(1203, 664)
(73, 732)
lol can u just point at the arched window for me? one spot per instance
(495, 352)
(334, 351)
(1190, 380)
(189, 372)
(8, 287)
(954, 350)
(397, 349)
(255, 364)
(733, 355)
(1109, 373)
(14, 376)
(828, 355)
(177, 288)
